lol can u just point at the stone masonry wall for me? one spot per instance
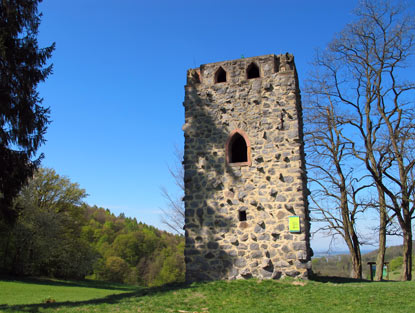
(269, 188)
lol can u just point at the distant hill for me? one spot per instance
(320, 254)
(391, 253)
(340, 264)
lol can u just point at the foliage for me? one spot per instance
(116, 269)
(395, 267)
(23, 121)
(45, 239)
(153, 257)
(396, 263)
(323, 295)
(57, 235)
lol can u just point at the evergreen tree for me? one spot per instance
(23, 119)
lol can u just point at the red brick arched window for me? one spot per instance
(238, 149)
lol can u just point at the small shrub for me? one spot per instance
(48, 300)
(395, 264)
(116, 269)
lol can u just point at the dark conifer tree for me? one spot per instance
(23, 119)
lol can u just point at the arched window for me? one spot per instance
(252, 71)
(220, 75)
(238, 149)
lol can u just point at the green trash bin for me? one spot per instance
(385, 274)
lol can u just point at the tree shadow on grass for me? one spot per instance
(338, 280)
(81, 283)
(111, 299)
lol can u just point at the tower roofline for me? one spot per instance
(244, 59)
(233, 71)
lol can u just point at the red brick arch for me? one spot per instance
(228, 150)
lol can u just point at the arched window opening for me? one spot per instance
(252, 71)
(238, 149)
(220, 75)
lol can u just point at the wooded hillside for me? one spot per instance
(58, 235)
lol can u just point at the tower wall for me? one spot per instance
(269, 187)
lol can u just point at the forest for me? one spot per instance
(58, 235)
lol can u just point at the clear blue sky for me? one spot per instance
(118, 84)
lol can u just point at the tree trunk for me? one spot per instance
(407, 253)
(350, 235)
(356, 258)
(380, 259)
(6, 252)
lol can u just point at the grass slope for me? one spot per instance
(323, 295)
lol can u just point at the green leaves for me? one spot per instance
(56, 234)
(152, 256)
(46, 238)
(23, 120)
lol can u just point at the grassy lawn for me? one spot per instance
(322, 295)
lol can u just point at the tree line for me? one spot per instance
(57, 235)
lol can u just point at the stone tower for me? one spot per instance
(244, 173)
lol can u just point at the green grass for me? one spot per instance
(323, 295)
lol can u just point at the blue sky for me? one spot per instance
(119, 73)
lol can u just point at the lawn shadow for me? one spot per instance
(337, 279)
(111, 299)
(81, 283)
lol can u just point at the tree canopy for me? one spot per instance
(23, 119)
(58, 235)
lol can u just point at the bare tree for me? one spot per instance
(173, 214)
(334, 196)
(364, 71)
